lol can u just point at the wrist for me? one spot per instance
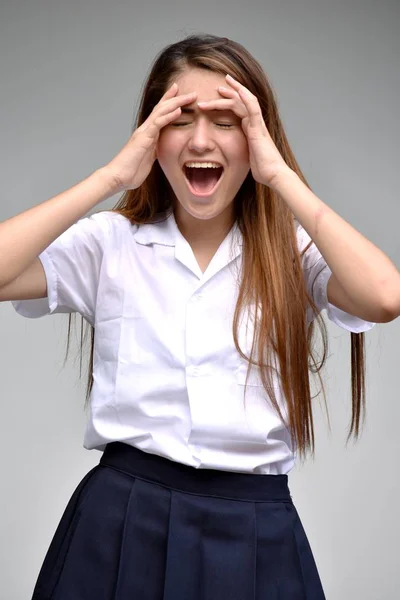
(282, 178)
(110, 180)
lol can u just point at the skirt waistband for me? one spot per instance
(203, 482)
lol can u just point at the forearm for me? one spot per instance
(25, 236)
(364, 272)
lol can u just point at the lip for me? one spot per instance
(204, 194)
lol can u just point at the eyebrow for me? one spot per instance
(190, 111)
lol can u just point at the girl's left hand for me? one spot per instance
(266, 162)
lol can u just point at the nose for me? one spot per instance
(201, 137)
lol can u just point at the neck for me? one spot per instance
(204, 233)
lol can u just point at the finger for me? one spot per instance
(237, 86)
(166, 111)
(171, 91)
(224, 91)
(162, 120)
(153, 125)
(225, 104)
(249, 100)
(170, 105)
(175, 102)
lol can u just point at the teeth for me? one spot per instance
(202, 165)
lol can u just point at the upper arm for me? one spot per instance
(68, 278)
(31, 284)
(328, 294)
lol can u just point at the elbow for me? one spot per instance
(391, 315)
(390, 310)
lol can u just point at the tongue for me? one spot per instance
(203, 180)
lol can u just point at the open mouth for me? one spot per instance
(203, 180)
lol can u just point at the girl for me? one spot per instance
(201, 287)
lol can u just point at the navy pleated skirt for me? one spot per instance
(141, 527)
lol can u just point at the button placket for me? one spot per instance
(192, 370)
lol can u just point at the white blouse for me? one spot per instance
(167, 376)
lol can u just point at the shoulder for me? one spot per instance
(119, 228)
(109, 222)
(109, 218)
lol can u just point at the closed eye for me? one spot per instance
(224, 125)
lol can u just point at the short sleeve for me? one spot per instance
(317, 273)
(72, 266)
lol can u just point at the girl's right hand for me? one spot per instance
(134, 162)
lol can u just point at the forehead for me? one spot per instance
(202, 81)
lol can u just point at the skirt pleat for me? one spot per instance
(210, 539)
(285, 567)
(140, 527)
(140, 560)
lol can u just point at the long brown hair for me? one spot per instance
(272, 279)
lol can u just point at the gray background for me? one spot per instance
(71, 74)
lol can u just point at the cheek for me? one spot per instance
(161, 149)
(167, 148)
(240, 151)
(235, 145)
(243, 148)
